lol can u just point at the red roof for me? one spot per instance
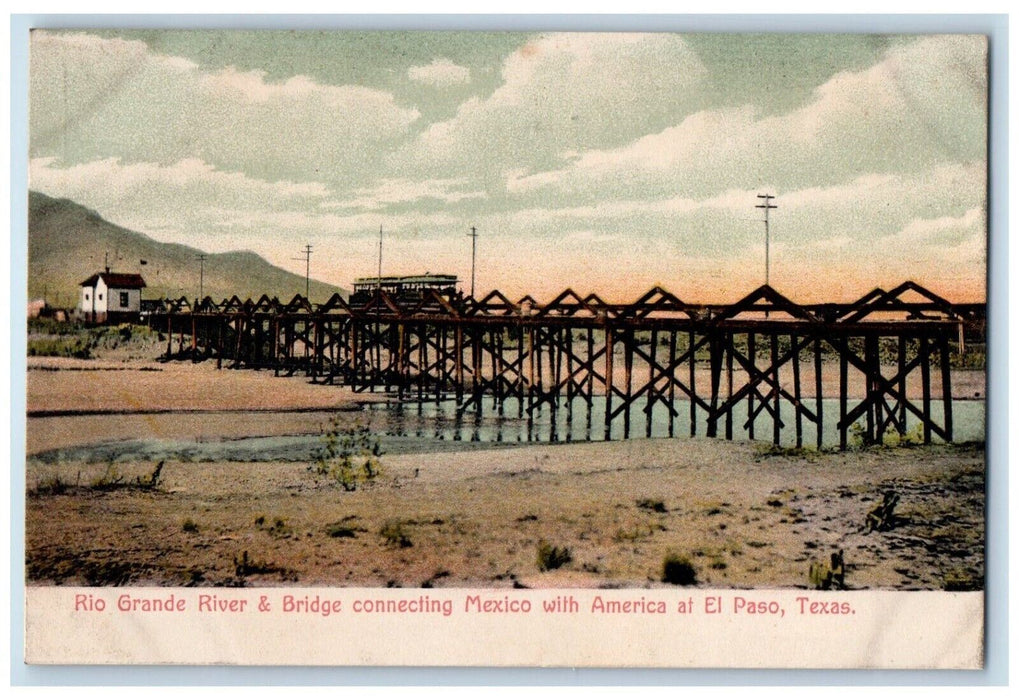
(117, 280)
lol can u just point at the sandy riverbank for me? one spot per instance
(745, 515)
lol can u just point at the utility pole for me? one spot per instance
(201, 276)
(767, 206)
(380, 259)
(378, 289)
(474, 254)
(307, 271)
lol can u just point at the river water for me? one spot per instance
(406, 427)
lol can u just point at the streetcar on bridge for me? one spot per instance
(407, 288)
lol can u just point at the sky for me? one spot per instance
(604, 162)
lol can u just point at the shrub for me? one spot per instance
(278, 528)
(825, 576)
(350, 456)
(50, 486)
(190, 526)
(245, 566)
(678, 570)
(152, 480)
(340, 530)
(961, 580)
(112, 478)
(71, 346)
(552, 557)
(394, 534)
(653, 504)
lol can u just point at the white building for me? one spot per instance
(111, 296)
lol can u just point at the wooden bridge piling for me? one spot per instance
(547, 357)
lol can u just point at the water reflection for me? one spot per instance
(426, 426)
(508, 421)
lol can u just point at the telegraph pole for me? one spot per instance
(378, 289)
(307, 271)
(473, 235)
(380, 259)
(201, 276)
(767, 206)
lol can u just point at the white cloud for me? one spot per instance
(403, 190)
(587, 166)
(562, 93)
(191, 201)
(877, 229)
(93, 98)
(109, 183)
(890, 117)
(441, 72)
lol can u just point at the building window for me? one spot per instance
(100, 297)
(123, 300)
(86, 296)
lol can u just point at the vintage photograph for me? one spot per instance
(506, 310)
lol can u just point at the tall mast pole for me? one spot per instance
(201, 276)
(474, 254)
(767, 206)
(307, 271)
(380, 258)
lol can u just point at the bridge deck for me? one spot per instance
(765, 356)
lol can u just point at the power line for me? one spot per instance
(767, 206)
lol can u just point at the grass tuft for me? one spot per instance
(552, 557)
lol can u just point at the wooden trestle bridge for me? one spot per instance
(763, 361)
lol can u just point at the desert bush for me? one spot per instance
(50, 326)
(678, 570)
(278, 527)
(975, 357)
(639, 531)
(344, 528)
(653, 504)
(913, 436)
(111, 478)
(152, 480)
(51, 485)
(962, 580)
(395, 535)
(350, 456)
(190, 526)
(85, 342)
(64, 346)
(246, 566)
(552, 557)
(826, 576)
(891, 437)
(857, 437)
(340, 530)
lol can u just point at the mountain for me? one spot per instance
(67, 243)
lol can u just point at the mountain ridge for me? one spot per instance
(68, 242)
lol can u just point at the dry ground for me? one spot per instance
(744, 514)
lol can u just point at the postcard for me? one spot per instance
(473, 348)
